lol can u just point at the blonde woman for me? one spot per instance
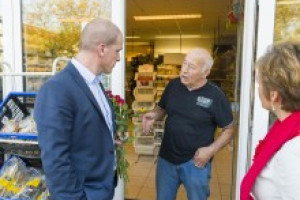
(275, 172)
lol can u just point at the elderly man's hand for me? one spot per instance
(202, 156)
(148, 121)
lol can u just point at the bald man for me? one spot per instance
(194, 107)
(76, 122)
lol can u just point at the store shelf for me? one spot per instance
(160, 88)
(10, 141)
(145, 136)
(18, 136)
(166, 76)
(150, 86)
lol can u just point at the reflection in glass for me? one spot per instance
(287, 20)
(51, 29)
(287, 26)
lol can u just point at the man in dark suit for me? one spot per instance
(75, 119)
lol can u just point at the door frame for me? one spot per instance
(12, 45)
(254, 120)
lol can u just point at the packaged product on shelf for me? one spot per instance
(9, 126)
(22, 183)
(145, 68)
(150, 87)
(27, 125)
(144, 78)
(44, 195)
(33, 188)
(140, 107)
(12, 174)
(144, 94)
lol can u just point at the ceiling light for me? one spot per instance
(132, 37)
(288, 2)
(182, 36)
(161, 17)
(75, 19)
(137, 43)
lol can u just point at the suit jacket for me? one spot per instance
(77, 148)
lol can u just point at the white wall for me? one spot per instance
(162, 46)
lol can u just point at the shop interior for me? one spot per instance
(154, 52)
(155, 49)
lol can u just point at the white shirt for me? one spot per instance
(280, 179)
(93, 82)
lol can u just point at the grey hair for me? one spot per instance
(208, 63)
(98, 31)
(202, 54)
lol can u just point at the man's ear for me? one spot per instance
(206, 73)
(101, 49)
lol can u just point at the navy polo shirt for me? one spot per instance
(192, 118)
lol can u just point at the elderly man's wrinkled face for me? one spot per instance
(192, 73)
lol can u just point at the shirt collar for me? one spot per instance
(88, 76)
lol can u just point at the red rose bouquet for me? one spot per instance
(122, 113)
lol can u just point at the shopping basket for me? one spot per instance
(17, 106)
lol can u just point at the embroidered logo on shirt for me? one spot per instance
(204, 102)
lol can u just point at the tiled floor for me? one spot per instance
(141, 185)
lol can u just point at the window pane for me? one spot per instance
(287, 20)
(287, 26)
(51, 29)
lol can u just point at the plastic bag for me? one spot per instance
(12, 174)
(9, 126)
(32, 188)
(18, 182)
(27, 125)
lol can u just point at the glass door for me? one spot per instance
(1, 51)
(282, 19)
(51, 29)
(287, 25)
(258, 34)
(39, 31)
(276, 21)
(287, 20)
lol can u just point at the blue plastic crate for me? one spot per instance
(18, 136)
(17, 105)
(2, 198)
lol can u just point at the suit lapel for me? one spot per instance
(83, 86)
(111, 107)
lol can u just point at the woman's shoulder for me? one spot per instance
(291, 146)
(287, 169)
(288, 156)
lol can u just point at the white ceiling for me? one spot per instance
(212, 24)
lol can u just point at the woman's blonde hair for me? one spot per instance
(279, 70)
